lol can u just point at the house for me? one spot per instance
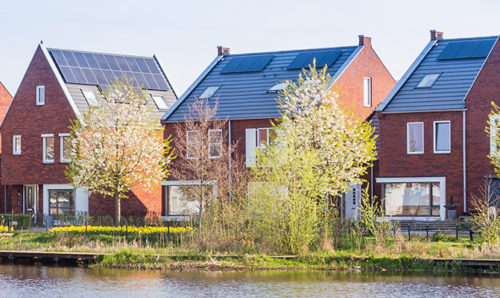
(433, 146)
(5, 101)
(245, 87)
(58, 87)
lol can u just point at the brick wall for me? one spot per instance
(5, 100)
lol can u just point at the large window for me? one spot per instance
(65, 150)
(193, 144)
(16, 145)
(367, 89)
(48, 148)
(442, 137)
(214, 143)
(256, 138)
(183, 199)
(415, 138)
(412, 199)
(61, 202)
(40, 95)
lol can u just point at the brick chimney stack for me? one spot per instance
(436, 35)
(222, 51)
(365, 40)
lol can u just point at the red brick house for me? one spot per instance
(5, 101)
(246, 85)
(433, 146)
(58, 87)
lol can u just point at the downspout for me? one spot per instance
(5, 199)
(229, 157)
(371, 183)
(464, 161)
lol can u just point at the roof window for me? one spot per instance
(428, 80)
(209, 92)
(279, 86)
(160, 102)
(90, 97)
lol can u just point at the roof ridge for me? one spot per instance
(289, 51)
(102, 53)
(468, 38)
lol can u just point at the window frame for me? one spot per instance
(215, 88)
(87, 99)
(40, 90)
(433, 82)
(44, 148)
(14, 151)
(367, 94)
(214, 144)
(274, 88)
(408, 138)
(159, 97)
(268, 137)
(71, 210)
(61, 148)
(187, 144)
(434, 140)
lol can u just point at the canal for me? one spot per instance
(43, 281)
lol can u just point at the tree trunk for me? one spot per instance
(117, 209)
(199, 226)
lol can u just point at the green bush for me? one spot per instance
(438, 236)
(23, 220)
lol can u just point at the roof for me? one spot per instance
(79, 71)
(456, 73)
(244, 81)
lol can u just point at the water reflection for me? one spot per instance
(29, 281)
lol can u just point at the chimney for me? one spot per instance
(436, 35)
(365, 40)
(222, 51)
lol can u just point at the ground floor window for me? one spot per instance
(412, 198)
(61, 202)
(493, 192)
(183, 199)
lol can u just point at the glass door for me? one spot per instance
(30, 200)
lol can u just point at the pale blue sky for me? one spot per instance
(184, 34)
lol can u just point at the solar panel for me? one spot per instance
(303, 60)
(466, 50)
(103, 69)
(247, 64)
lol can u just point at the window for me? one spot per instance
(214, 143)
(412, 198)
(160, 102)
(16, 145)
(48, 148)
(193, 144)
(494, 128)
(428, 80)
(367, 89)
(90, 97)
(40, 95)
(61, 202)
(263, 137)
(415, 138)
(65, 147)
(182, 199)
(279, 86)
(442, 137)
(209, 92)
(255, 138)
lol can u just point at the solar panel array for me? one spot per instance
(466, 50)
(303, 60)
(247, 64)
(103, 69)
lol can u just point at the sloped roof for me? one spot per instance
(244, 93)
(456, 76)
(82, 71)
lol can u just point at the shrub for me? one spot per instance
(438, 236)
(23, 220)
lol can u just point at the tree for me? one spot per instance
(493, 130)
(118, 145)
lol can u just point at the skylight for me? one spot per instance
(90, 97)
(428, 80)
(209, 92)
(160, 102)
(278, 87)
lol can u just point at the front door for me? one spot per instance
(30, 200)
(352, 202)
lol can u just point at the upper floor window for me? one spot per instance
(263, 137)
(160, 102)
(279, 86)
(494, 129)
(48, 148)
(16, 145)
(209, 92)
(255, 138)
(193, 144)
(415, 138)
(90, 97)
(214, 143)
(428, 80)
(40, 95)
(65, 150)
(367, 92)
(442, 137)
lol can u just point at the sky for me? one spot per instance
(184, 35)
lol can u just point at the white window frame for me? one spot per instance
(88, 92)
(187, 144)
(268, 138)
(214, 144)
(494, 150)
(367, 92)
(185, 182)
(408, 138)
(44, 148)
(61, 148)
(158, 100)
(19, 150)
(434, 136)
(40, 95)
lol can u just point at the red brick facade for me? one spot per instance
(5, 100)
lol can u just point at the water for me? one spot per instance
(41, 281)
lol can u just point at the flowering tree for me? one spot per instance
(118, 146)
